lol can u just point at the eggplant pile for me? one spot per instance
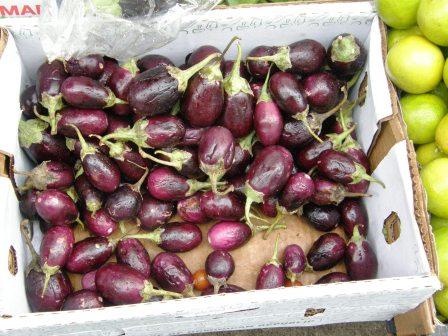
(240, 143)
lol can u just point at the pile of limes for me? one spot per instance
(417, 43)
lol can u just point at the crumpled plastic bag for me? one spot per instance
(117, 28)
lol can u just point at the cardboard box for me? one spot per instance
(405, 277)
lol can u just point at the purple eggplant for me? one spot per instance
(238, 185)
(27, 204)
(268, 120)
(101, 172)
(91, 198)
(88, 280)
(228, 288)
(242, 156)
(271, 275)
(256, 88)
(88, 121)
(353, 149)
(360, 187)
(323, 91)
(121, 284)
(288, 94)
(227, 207)
(353, 214)
(301, 57)
(165, 184)
(333, 277)
(48, 175)
(89, 254)
(157, 90)
(29, 103)
(49, 81)
(328, 192)
(174, 237)
(360, 258)
(326, 252)
(87, 93)
(219, 267)
(228, 236)
(130, 162)
(238, 102)
(39, 144)
(116, 122)
(154, 213)
(323, 218)
(259, 69)
(298, 190)
(149, 62)
(132, 253)
(109, 66)
(90, 66)
(341, 168)
(295, 134)
(119, 83)
(269, 207)
(267, 175)
(189, 209)
(201, 53)
(99, 223)
(172, 274)
(346, 56)
(82, 299)
(56, 207)
(216, 152)
(125, 202)
(192, 136)
(294, 261)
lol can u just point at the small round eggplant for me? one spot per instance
(154, 213)
(88, 121)
(149, 62)
(346, 56)
(174, 237)
(219, 267)
(172, 274)
(99, 223)
(228, 236)
(90, 66)
(201, 53)
(192, 136)
(323, 218)
(121, 284)
(109, 66)
(82, 299)
(132, 253)
(326, 252)
(56, 207)
(259, 69)
(88, 281)
(328, 192)
(48, 175)
(91, 198)
(323, 91)
(298, 190)
(189, 209)
(295, 134)
(27, 204)
(228, 288)
(360, 258)
(294, 261)
(227, 207)
(29, 102)
(39, 144)
(353, 149)
(216, 152)
(333, 277)
(89, 254)
(353, 214)
(130, 162)
(157, 90)
(271, 274)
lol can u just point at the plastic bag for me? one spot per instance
(117, 28)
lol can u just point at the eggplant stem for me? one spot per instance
(154, 236)
(281, 59)
(80, 223)
(354, 79)
(264, 94)
(276, 223)
(149, 291)
(85, 147)
(247, 142)
(361, 174)
(226, 49)
(351, 194)
(274, 259)
(137, 185)
(26, 235)
(49, 271)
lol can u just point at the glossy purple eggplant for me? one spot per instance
(56, 207)
(329, 192)
(131, 252)
(295, 134)
(333, 277)
(99, 223)
(82, 299)
(174, 237)
(297, 191)
(353, 213)
(48, 175)
(219, 267)
(152, 61)
(242, 156)
(259, 69)
(116, 122)
(353, 149)
(109, 66)
(192, 136)
(131, 163)
(90, 66)
(294, 261)
(91, 198)
(88, 121)
(323, 218)
(227, 207)
(154, 213)
(326, 252)
(269, 207)
(228, 236)
(271, 275)
(189, 209)
(288, 94)
(88, 280)
(172, 274)
(29, 102)
(27, 204)
(346, 56)
(89, 254)
(360, 187)
(360, 258)
(323, 91)
(228, 288)
(119, 83)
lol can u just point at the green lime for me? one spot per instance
(435, 180)
(395, 35)
(398, 14)
(442, 91)
(442, 135)
(428, 152)
(441, 301)
(422, 113)
(437, 222)
(415, 65)
(432, 19)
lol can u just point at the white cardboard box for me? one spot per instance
(404, 275)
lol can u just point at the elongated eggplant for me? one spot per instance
(326, 252)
